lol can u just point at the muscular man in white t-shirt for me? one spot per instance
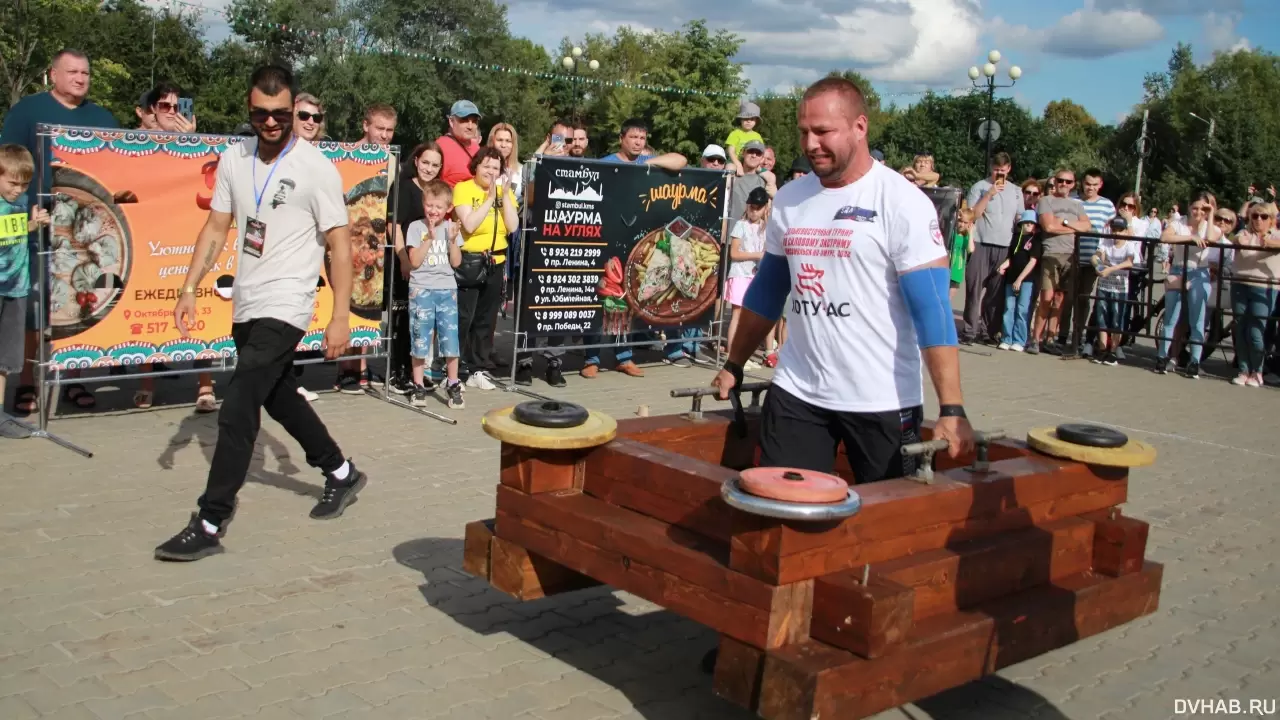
(858, 249)
(286, 200)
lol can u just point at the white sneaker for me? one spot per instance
(308, 395)
(1242, 379)
(480, 381)
(1255, 380)
(1003, 346)
(1016, 348)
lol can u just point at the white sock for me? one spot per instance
(341, 473)
(208, 528)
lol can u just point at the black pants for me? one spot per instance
(263, 379)
(794, 433)
(401, 342)
(477, 319)
(1080, 282)
(554, 357)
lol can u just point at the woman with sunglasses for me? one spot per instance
(1255, 274)
(1031, 193)
(1189, 279)
(308, 118)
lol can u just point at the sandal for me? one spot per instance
(25, 401)
(142, 399)
(79, 396)
(207, 402)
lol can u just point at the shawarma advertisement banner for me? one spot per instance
(615, 248)
(127, 207)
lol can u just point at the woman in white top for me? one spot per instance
(1189, 278)
(1254, 278)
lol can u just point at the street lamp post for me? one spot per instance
(571, 62)
(988, 71)
(1213, 124)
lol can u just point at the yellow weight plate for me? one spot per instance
(1134, 453)
(597, 430)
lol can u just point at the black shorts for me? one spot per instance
(794, 433)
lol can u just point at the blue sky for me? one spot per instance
(1095, 52)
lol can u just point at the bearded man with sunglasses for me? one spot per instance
(283, 195)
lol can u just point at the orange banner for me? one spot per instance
(127, 209)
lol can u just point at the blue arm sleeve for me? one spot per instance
(928, 295)
(768, 291)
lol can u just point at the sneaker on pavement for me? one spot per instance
(524, 374)
(679, 361)
(191, 544)
(554, 377)
(349, 384)
(308, 395)
(1193, 371)
(630, 368)
(9, 428)
(1161, 366)
(1004, 346)
(1033, 348)
(1017, 348)
(454, 392)
(373, 378)
(1242, 379)
(419, 396)
(480, 381)
(589, 371)
(1110, 359)
(1255, 380)
(338, 495)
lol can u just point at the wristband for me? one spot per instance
(188, 290)
(735, 370)
(951, 411)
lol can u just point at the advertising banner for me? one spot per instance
(127, 208)
(613, 248)
(946, 201)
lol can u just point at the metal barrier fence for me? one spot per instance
(1144, 312)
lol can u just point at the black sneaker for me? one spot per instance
(1193, 371)
(554, 377)
(192, 543)
(400, 385)
(454, 392)
(1161, 366)
(373, 378)
(524, 375)
(1033, 348)
(420, 395)
(1110, 359)
(349, 384)
(679, 361)
(338, 495)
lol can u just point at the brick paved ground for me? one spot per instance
(370, 616)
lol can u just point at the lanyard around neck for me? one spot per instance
(257, 194)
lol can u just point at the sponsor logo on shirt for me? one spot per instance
(856, 214)
(282, 193)
(935, 231)
(808, 280)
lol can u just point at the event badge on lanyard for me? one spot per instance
(255, 231)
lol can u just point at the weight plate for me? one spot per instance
(1134, 453)
(1091, 435)
(550, 414)
(599, 429)
(793, 485)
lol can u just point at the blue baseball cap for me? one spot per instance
(1029, 216)
(464, 108)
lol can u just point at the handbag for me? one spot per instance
(473, 271)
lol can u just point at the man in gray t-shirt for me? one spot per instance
(996, 203)
(1061, 217)
(752, 158)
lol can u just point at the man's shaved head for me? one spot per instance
(850, 93)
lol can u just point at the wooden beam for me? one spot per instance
(812, 679)
(532, 470)
(968, 573)
(475, 548)
(1120, 543)
(526, 575)
(739, 669)
(869, 620)
(900, 517)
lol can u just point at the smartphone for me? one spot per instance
(186, 108)
(1000, 179)
(557, 141)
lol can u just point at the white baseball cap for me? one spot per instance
(714, 151)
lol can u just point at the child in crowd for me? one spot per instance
(16, 170)
(746, 248)
(961, 249)
(434, 247)
(747, 121)
(1112, 260)
(1018, 291)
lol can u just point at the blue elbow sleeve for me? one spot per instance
(768, 291)
(928, 296)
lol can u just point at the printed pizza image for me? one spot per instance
(89, 262)
(672, 274)
(367, 213)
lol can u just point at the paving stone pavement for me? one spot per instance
(371, 616)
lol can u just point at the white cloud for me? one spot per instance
(1088, 33)
(1220, 32)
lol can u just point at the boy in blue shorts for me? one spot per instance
(16, 170)
(433, 249)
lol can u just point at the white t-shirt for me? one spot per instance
(752, 237)
(851, 345)
(1117, 282)
(301, 199)
(1196, 257)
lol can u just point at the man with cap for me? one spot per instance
(747, 120)
(799, 168)
(714, 157)
(461, 143)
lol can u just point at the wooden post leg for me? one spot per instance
(740, 666)
(1119, 543)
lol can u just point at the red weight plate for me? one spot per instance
(793, 485)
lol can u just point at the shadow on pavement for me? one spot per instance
(203, 431)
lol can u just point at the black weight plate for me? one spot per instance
(1091, 435)
(550, 414)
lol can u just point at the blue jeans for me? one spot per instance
(622, 354)
(1252, 306)
(1110, 308)
(1016, 307)
(1195, 291)
(676, 349)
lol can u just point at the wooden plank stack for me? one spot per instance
(927, 587)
